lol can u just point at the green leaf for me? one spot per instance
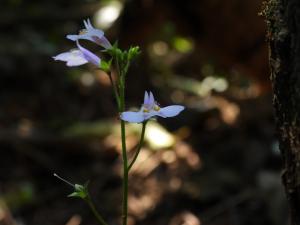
(133, 52)
(81, 191)
(105, 65)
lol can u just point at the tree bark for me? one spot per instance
(283, 20)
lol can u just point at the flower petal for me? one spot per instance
(73, 58)
(76, 37)
(170, 111)
(151, 99)
(132, 117)
(92, 34)
(89, 56)
(146, 97)
(73, 37)
(103, 42)
(86, 25)
(89, 25)
(150, 114)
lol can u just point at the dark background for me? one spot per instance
(216, 163)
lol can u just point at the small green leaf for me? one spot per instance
(105, 65)
(78, 187)
(81, 191)
(115, 52)
(133, 52)
(74, 194)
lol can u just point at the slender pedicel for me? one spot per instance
(64, 180)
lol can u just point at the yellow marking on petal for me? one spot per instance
(145, 110)
(156, 108)
(83, 31)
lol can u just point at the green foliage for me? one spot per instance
(81, 191)
(106, 65)
(133, 52)
(182, 44)
(123, 57)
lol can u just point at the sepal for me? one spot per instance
(105, 65)
(80, 191)
(133, 52)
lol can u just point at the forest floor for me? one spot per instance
(216, 172)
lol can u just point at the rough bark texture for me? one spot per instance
(283, 20)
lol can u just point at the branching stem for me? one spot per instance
(139, 146)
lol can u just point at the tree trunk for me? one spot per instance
(283, 20)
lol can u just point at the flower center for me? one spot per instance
(83, 31)
(156, 108)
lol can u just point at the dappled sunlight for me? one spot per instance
(74, 220)
(87, 79)
(5, 214)
(178, 96)
(249, 92)
(202, 88)
(182, 44)
(184, 151)
(160, 48)
(158, 137)
(144, 197)
(229, 110)
(113, 141)
(145, 163)
(108, 14)
(102, 78)
(216, 163)
(185, 218)
(168, 157)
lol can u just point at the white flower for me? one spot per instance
(78, 56)
(92, 34)
(150, 108)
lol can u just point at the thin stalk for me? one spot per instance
(125, 176)
(117, 97)
(118, 72)
(138, 147)
(124, 151)
(90, 203)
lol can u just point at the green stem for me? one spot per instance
(124, 151)
(125, 176)
(117, 97)
(90, 203)
(139, 146)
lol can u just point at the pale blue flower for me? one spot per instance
(150, 108)
(92, 34)
(78, 56)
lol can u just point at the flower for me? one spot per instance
(150, 108)
(92, 34)
(78, 56)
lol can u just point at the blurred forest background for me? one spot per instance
(217, 163)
